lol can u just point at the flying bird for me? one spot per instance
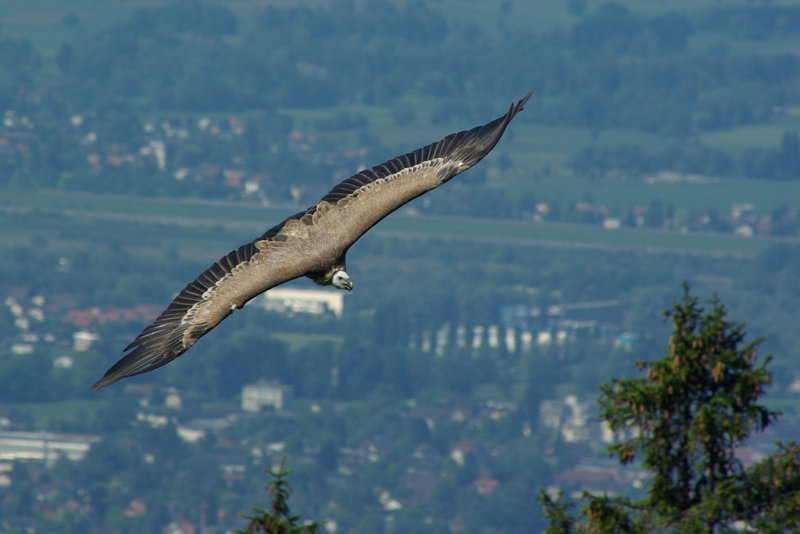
(311, 243)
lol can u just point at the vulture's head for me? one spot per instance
(341, 280)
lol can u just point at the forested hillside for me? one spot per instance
(141, 141)
(84, 109)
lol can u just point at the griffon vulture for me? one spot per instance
(311, 243)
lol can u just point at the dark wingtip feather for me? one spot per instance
(163, 340)
(468, 146)
(112, 375)
(142, 359)
(103, 382)
(476, 143)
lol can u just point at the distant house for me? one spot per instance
(86, 318)
(568, 417)
(82, 340)
(64, 362)
(744, 230)
(44, 446)
(197, 429)
(21, 349)
(460, 449)
(485, 485)
(233, 178)
(179, 527)
(314, 301)
(266, 393)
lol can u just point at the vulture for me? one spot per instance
(311, 243)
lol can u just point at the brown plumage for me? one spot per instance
(311, 243)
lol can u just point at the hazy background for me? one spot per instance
(141, 141)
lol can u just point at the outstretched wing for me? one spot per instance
(294, 247)
(228, 284)
(358, 203)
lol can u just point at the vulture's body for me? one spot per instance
(312, 243)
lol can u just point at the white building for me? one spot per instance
(315, 301)
(266, 393)
(43, 446)
(82, 340)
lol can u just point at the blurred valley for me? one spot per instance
(141, 140)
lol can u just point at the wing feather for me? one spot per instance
(339, 219)
(467, 147)
(230, 282)
(361, 201)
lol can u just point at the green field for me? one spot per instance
(61, 414)
(574, 236)
(297, 342)
(620, 195)
(532, 146)
(202, 228)
(25, 18)
(754, 135)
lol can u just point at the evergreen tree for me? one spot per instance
(279, 520)
(687, 415)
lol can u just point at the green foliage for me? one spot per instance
(556, 511)
(695, 405)
(279, 519)
(774, 490)
(610, 68)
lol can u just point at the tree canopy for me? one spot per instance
(279, 519)
(685, 419)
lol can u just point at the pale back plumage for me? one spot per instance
(311, 243)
